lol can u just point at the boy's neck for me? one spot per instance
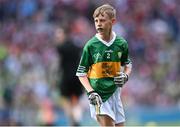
(107, 37)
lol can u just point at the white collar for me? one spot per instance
(105, 42)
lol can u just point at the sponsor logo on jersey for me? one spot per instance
(109, 51)
(104, 69)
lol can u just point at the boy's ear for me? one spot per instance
(113, 21)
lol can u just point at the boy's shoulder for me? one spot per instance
(121, 39)
(93, 40)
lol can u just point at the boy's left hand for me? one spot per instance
(121, 79)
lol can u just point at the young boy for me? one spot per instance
(100, 69)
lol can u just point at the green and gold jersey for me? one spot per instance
(101, 61)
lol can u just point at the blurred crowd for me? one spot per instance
(29, 62)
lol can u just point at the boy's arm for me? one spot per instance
(127, 69)
(93, 97)
(85, 82)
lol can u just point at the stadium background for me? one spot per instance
(29, 62)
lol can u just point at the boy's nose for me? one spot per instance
(99, 23)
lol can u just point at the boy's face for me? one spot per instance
(103, 24)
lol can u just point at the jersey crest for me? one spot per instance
(97, 56)
(119, 54)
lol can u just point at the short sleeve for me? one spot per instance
(125, 55)
(84, 63)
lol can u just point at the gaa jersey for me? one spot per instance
(101, 62)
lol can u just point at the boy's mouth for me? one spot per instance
(100, 29)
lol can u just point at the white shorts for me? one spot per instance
(112, 107)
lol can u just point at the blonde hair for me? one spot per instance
(106, 8)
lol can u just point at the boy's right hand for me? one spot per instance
(94, 98)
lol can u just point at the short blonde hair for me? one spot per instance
(106, 8)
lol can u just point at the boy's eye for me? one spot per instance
(95, 20)
(102, 20)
